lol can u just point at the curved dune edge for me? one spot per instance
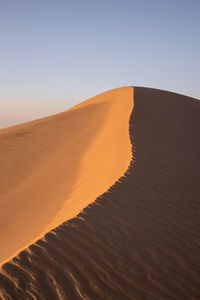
(141, 238)
(54, 167)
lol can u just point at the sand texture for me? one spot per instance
(141, 238)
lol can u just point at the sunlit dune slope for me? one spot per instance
(54, 167)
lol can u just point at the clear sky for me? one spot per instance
(56, 53)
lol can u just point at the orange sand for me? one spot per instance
(54, 167)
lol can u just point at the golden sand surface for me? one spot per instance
(53, 167)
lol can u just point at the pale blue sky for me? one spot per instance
(54, 54)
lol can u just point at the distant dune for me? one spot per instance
(140, 239)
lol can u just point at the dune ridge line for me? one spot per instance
(140, 239)
(53, 167)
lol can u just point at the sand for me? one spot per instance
(141, 238)
(54, 167)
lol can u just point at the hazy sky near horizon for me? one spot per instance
(54, 54)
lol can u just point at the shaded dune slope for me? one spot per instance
(52, 168)
(139, 240)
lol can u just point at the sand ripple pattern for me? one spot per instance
(141, 239)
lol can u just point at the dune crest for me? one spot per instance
(141, 238)
(54, 167)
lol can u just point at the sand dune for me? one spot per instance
(141, 238)
(54, 167)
